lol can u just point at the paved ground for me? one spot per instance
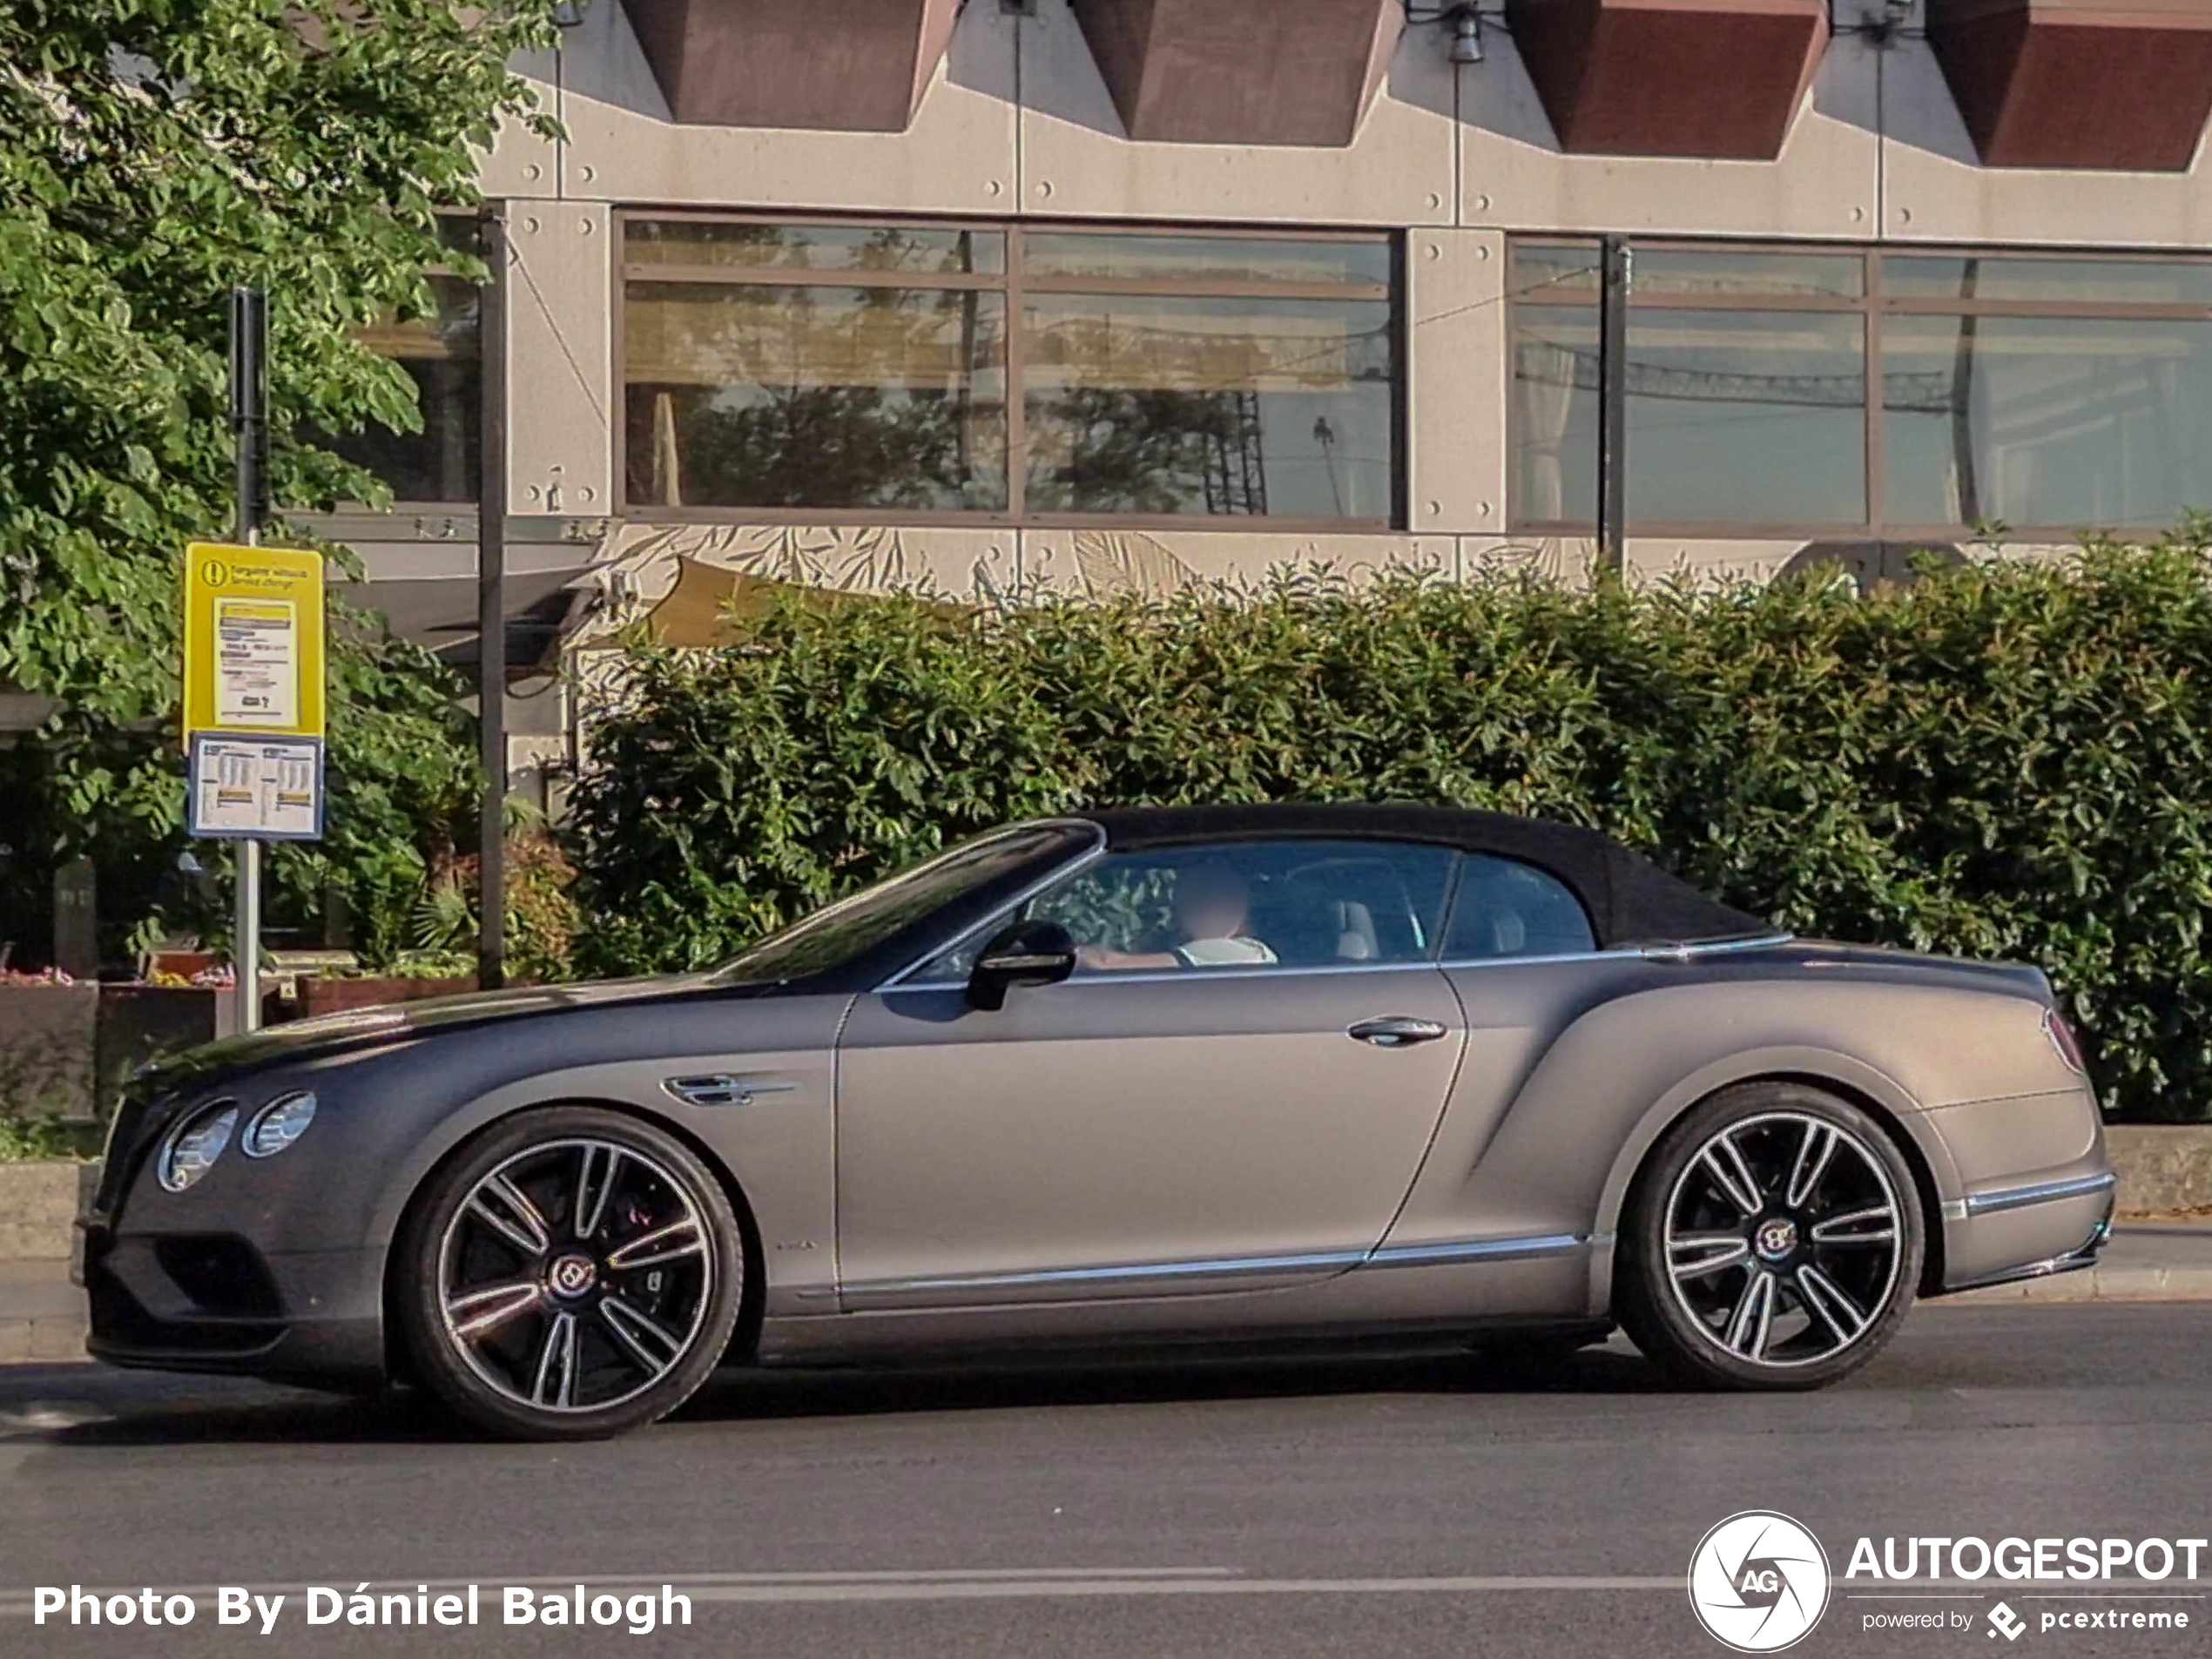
(1366, 1506)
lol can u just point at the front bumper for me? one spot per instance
(214, 1302)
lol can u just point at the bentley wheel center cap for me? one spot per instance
(1775, 1239)
(572, 1275)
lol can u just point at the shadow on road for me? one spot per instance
(245, 1413)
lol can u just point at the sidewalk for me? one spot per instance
(42, 1314)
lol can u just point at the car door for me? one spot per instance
(1237, 1111)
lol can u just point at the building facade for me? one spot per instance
(1126, 294)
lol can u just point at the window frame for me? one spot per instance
(1014, 284)
(1871, 304)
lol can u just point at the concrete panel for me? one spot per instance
(521, 163)
(957, 156)
(560, 314)
(1456, 327)
(1077, 159)
(1514, 174)
(1939, 191)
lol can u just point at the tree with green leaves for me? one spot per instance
(152, 154)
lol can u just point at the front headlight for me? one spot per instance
(194, 1144)
(283, 1121)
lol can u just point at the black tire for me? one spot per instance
(1839, 1260)
(597, 1303)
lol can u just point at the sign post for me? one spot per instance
(254, 681)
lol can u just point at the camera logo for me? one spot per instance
(1758, 1582)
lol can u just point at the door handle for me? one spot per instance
(1397, 1031)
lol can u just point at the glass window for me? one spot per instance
(1506, 908)
(842, 368)
(2046, 393)
(680, 243)
(1220, 260)
(1242, 905)
(2090, 282)
(845, 931)
(1735, 416)
(438, 353)
(1153, 405)
(1677, 272)
(748, 395)
(2053, 422)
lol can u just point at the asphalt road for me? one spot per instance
(1368, 1505)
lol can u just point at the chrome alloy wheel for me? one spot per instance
(1784, 1235)
(575, 1275)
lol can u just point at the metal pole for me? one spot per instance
(250, 437)
(1613, 408)
(491, 606)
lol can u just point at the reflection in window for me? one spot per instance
(1243, 407)
(2055, 421)
(815, 396)
(1735, 416)
(2048, 394)
(438, 353)
(849, 368)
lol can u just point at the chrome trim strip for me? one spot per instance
(1186, 976)
(1954, 1208)
(1082, 861)
(1240, 1266)
(1983, 1203)
(1475, 1249)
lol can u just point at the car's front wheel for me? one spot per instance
(1774, 1240)
(573, 1274)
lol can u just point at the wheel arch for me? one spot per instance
(1899, 1117)
(397, 1363)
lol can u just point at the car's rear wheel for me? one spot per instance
(1773, 1240)
(573, 1274)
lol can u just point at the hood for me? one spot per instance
(396, 1023)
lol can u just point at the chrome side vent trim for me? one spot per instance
(723, 1090)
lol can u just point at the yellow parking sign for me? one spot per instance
(254, 640)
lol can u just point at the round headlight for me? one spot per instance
(283, 1121)
(194, 1145)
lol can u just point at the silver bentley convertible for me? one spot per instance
(1131, 1080)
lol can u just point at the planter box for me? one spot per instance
(141, 1022)
(38, 1206)
(342, 995)
(48, 1043)
(2161, 1166)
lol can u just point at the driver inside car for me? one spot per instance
(1211, 907)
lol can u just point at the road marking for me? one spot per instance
(1004, 1583)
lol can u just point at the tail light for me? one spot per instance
(2062, 1039)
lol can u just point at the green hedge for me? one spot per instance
(2007, 759)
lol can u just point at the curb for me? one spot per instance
(42, 1341)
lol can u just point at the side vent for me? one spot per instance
(723, 1090)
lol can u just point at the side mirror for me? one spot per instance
(1028, 953)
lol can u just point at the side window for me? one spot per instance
(1244, 904)
(1508, 908)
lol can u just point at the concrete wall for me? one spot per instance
(1019, 122)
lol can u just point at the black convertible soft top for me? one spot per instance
(1631, 900)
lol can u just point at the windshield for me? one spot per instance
(971, 877)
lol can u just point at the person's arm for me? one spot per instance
(1099, 957)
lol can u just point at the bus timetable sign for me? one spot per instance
(254, 689)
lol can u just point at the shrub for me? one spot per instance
(2006, 760)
